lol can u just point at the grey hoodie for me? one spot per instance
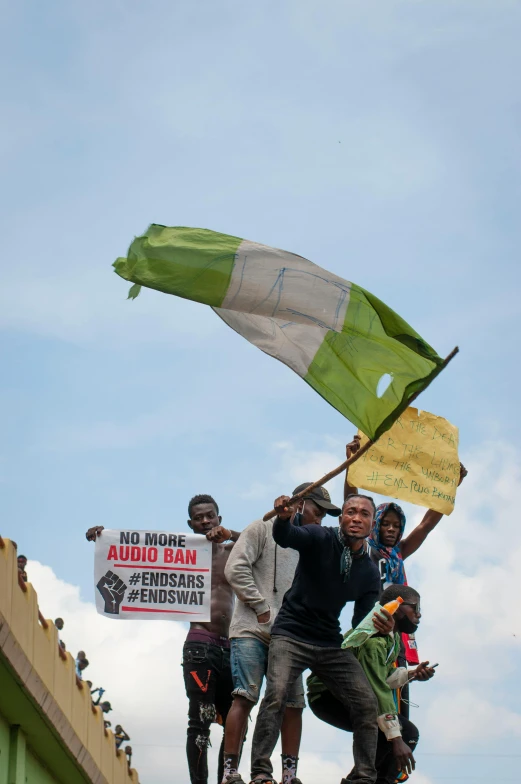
(260, 572)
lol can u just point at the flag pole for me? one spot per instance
(336, 471)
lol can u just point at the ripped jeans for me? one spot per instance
(208, 685)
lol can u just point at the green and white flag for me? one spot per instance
(344, 342)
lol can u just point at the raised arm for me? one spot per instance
(351, 449)
(93, 533)
(238, 570)
(418, 535)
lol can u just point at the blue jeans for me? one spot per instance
(339, 670)
(249, 662)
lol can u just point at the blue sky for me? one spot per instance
(379, 139)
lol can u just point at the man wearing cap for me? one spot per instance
(260, 572)
(333, 569)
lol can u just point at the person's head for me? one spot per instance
(89, 684)
(408, 614)
(118, 728)
(357, 517)
(83, 664)
(314, 506)
(22, 562)
(105, 706)
(59, 623)
(203, 514)
(389, 525)
(81, 655)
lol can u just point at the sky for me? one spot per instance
(381, 140)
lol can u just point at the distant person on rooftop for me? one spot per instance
(106, 707)
(22, 563)
(101, 692)
(81, 664)
(59, 625)
(120, 735)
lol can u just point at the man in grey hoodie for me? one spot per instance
(260, 573)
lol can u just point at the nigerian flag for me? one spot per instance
(344, 342)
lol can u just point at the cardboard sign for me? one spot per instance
(153, 575)
(416, 461)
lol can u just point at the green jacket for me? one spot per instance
(377, 657)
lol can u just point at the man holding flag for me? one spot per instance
(333, 568)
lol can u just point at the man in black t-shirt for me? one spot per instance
(333, 569)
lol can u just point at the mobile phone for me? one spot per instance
(432, 666)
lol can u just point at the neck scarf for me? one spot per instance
(395, 573)
(346, 557)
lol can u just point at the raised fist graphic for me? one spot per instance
(112, 588)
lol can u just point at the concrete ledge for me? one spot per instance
(61, 720)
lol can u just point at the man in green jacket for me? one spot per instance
(397, 736)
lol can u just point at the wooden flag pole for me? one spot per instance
(357, 455)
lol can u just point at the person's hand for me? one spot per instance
(264, 617)
(281, 507)
(423, 672)
(403, 756)
(219, 534)
(383, 625)
(462, 473)
(353, 447)
(94, 532)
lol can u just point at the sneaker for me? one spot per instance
(235, 778)
(263, 781)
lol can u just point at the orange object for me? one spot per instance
(393, 605)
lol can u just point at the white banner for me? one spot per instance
(153, 575)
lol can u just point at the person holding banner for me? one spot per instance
(388, 549)
(333, 569)
(206, 652)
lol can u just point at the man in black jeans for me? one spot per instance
(333, 569)
(206, 652)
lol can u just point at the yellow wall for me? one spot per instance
(40, 646)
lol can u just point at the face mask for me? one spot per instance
(406, 626)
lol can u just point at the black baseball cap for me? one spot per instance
(321, 497)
